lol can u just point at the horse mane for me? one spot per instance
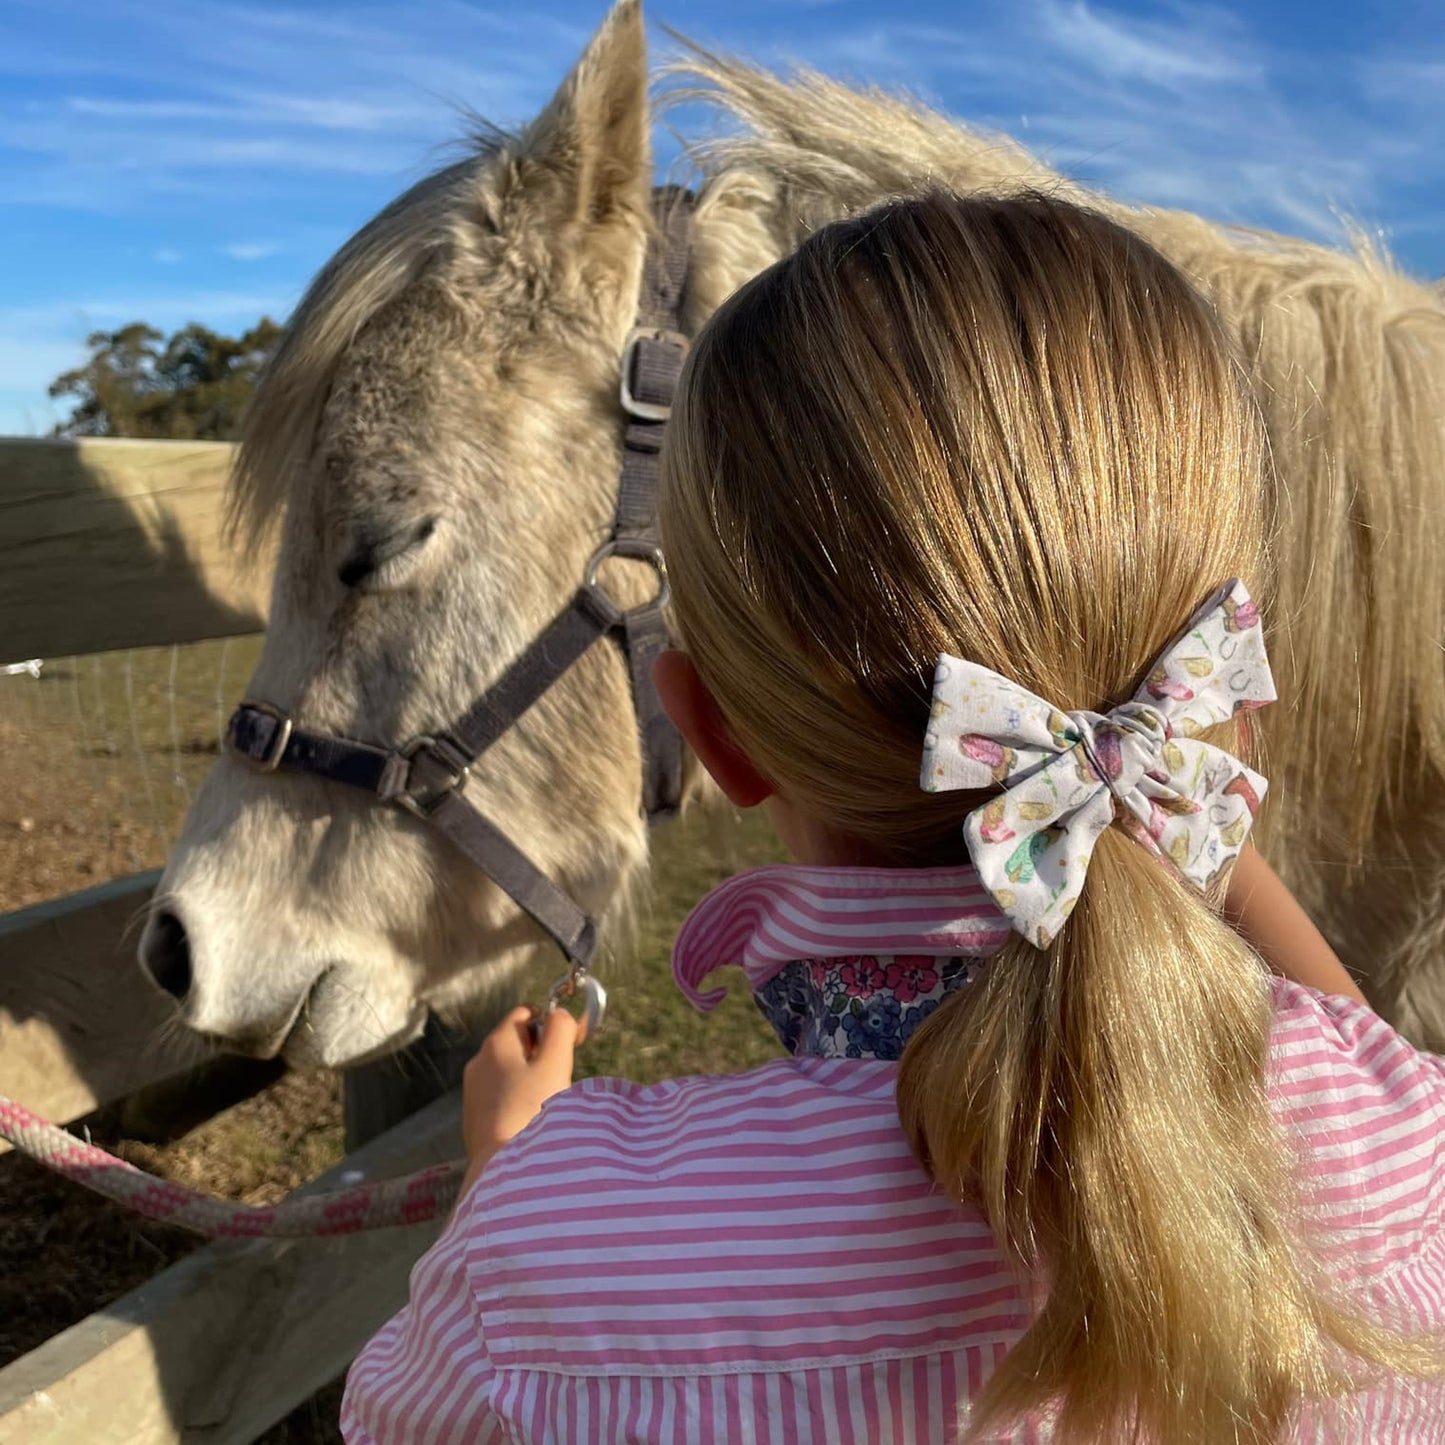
(1345, 355)
(419, 230)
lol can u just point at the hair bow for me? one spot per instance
(1067, 775)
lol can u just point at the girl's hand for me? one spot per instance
(510, 1078)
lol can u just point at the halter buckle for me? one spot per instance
(446, 759)
(659, 336)
(269, 760)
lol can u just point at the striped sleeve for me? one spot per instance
(1372, 1108)
(426, 1373)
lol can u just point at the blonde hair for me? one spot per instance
(1009, 429)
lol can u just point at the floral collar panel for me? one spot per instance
(858, 1008)
(844, 962)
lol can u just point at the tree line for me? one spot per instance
(138, 382)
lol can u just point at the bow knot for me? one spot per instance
(1122, 746)
(1067, 775)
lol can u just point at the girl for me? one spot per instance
(965, 483)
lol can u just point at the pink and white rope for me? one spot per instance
(409, 1200)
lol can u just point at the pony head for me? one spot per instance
(436, 447)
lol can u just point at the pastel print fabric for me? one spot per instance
(1067, 776)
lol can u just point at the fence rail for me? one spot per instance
(104, 544)
(78, 1027)
(222, 1345)
(109, 544)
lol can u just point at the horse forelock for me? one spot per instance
(425, 228)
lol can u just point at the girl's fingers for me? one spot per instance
(526, 1036)
(560, 1036)
(509, 1041)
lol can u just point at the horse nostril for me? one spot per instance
(167, 955)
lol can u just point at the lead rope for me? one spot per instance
(410, 1200)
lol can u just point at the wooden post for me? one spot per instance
(378, 1096)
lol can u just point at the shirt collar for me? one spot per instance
(769, 917)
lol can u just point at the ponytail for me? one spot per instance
(1103, 1103)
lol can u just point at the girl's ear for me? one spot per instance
(696, 716)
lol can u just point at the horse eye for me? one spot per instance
(372, 551)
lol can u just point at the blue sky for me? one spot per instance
(177, 160)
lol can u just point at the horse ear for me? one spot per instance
(587, 158)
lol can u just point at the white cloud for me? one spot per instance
(1415, 80)
(246, 107)
(251, 250)
(150, 103)
(1114, 45)
(76, 318)
(1189, 105)
(333, 112)
(166, 256)
(180, 160)
(145, 109)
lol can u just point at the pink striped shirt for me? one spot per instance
(758, 1258)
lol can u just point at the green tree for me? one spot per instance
(138, 383)
(114, 385)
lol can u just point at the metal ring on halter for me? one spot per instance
(637, 550)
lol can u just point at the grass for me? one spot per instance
(103, 755)
(652, 1031)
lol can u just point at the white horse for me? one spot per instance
(437, 442)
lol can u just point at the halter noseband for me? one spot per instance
(427, 776)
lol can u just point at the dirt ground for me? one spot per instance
(97, 762)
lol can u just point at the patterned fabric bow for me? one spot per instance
(1067, 776)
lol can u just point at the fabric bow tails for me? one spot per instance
(1067, 775)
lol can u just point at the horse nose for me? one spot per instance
(166, 955)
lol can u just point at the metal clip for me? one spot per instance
(594, 1001)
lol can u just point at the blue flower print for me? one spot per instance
(913, 1017)
(872, 1028)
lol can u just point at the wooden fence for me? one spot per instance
(118, 544)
